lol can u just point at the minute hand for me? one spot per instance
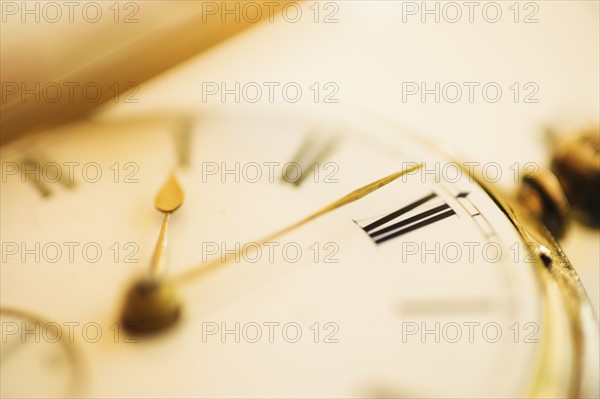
(355, 195)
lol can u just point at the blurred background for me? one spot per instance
(487, 79)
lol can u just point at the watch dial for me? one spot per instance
(421, 288)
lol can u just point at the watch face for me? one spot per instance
(421, 288)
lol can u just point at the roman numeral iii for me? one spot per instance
(381, 230)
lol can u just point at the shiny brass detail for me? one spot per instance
(542, 194)
(150, 305)
(576, 164)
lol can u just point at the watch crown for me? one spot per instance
(542, 194)
(576, 164)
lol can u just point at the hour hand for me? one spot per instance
(168, 200)
(151, 302)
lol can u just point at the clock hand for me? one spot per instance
(355, 195)
(151, 303)
(167, 201)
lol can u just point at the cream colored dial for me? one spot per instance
(422, 288)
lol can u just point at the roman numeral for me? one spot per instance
(34, 171)
(183, 140)
(381, 232)
(311, 153)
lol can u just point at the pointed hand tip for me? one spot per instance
(170, 196)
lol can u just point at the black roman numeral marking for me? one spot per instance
(381, 234)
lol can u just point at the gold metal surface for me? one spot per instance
(570, 327)
(170, 196)
(168, 200)
(151, 303)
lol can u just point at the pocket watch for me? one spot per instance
(298, 255)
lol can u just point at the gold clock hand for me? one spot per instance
(151, 302)
(167, 201)
(346, 199)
